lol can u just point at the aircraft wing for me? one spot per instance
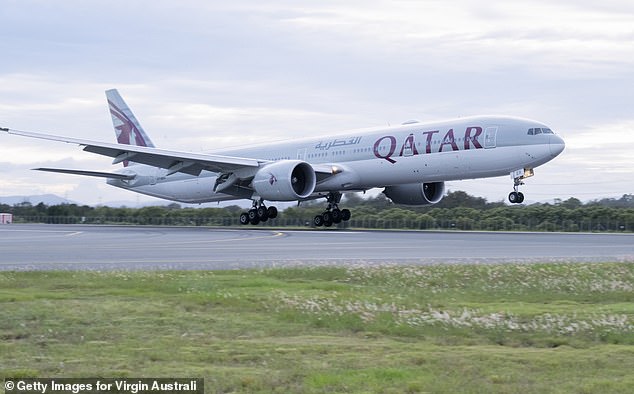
(173, 161)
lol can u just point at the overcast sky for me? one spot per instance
(203, 75)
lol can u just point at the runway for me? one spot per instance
(79, 247)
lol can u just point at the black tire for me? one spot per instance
(253, 216)
(345, 215)
(336, 215)
(520, 197)
(513, 197)
(318, 221)
(327, 222)
(272, 211)
(263, 213)
(327, 216)
(244, 218)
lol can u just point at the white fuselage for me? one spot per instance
(464, 148)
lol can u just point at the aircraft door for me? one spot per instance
(301, 154)
(490, 134)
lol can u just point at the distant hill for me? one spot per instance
(47, 199)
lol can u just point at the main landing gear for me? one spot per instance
(332, 214)
(517, 197)
(259, 213)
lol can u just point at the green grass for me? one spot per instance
(503, 328)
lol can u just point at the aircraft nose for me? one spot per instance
(557, 145)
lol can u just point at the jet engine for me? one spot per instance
(416, 193)
(285, 180)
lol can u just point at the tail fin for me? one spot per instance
(126, 127)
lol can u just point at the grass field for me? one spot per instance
(503, 328)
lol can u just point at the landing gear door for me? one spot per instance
(490, 134)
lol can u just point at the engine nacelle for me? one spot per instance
(416, 193)
(285, 180)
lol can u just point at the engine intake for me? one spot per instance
(416, 193)
(285, 180)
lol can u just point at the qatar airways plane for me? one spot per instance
(411, 162)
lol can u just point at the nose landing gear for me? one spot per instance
(332, 214)
(517, 197)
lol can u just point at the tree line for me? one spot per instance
(457, 210)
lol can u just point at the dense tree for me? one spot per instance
(457, 210)
(572, 203)
(461, 199)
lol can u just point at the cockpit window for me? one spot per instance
(539, 130)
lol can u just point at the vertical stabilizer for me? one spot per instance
(126, 126)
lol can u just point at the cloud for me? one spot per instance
(604, 149)
(464, 35)
(201, 75)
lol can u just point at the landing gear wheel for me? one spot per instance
(253, 216)
(332, 214)
(327, 221)
(336, 216)
(258, 213)
(244, 218)
(345, 215)
(263, 213)
(516, 197)
(272, 212)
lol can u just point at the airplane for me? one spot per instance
(411, 162)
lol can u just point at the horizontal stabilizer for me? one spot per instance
(110, 175)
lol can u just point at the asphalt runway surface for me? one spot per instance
(79, 247)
